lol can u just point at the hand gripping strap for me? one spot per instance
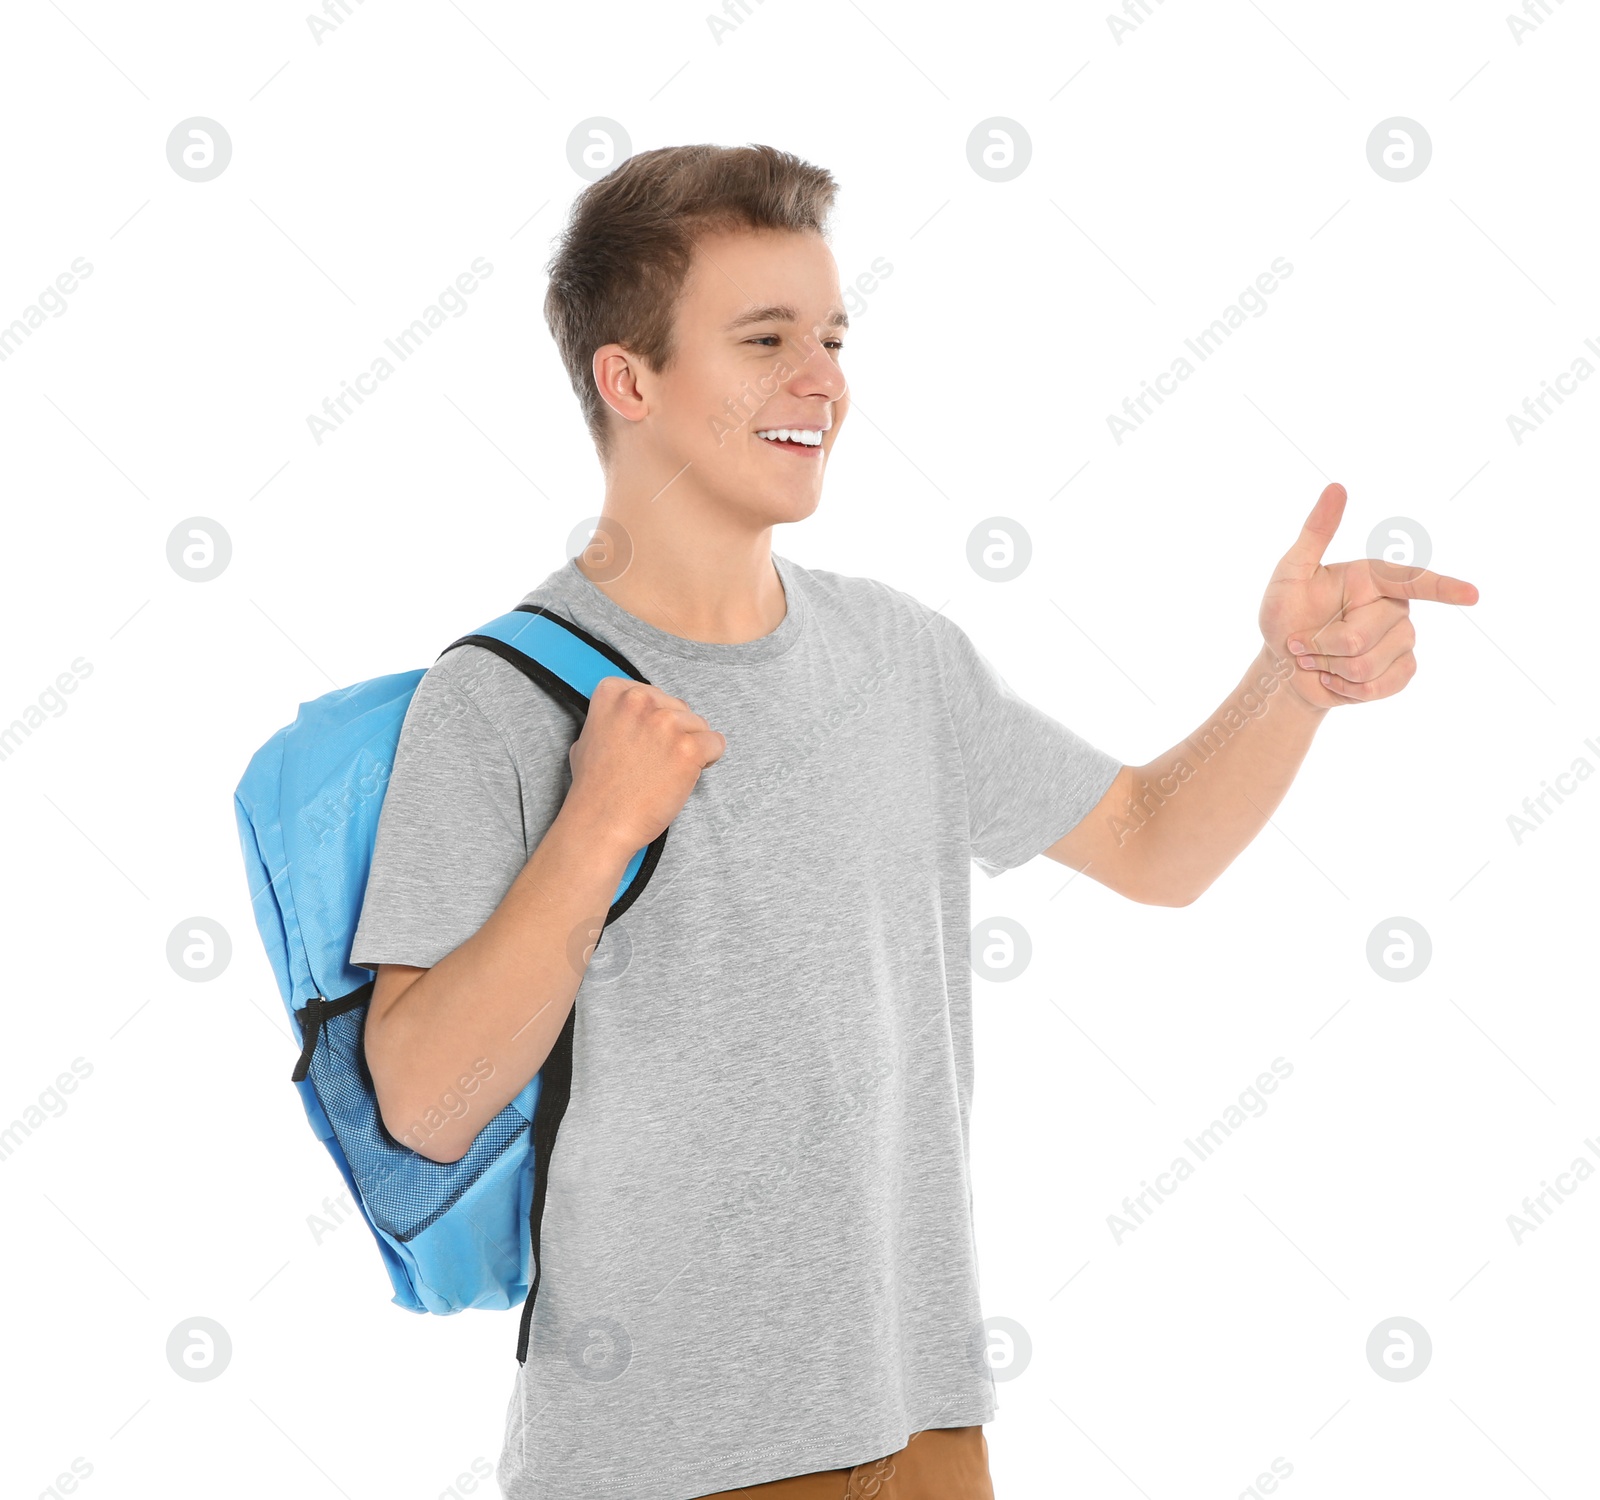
(567, 662)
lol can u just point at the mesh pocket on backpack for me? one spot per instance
(404, 1192)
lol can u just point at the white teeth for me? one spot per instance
(793, 435)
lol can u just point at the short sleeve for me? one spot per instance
(450, 834)
(1030, 779)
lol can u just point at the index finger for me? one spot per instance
(1396, 582)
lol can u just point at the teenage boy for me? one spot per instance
(756, 1267)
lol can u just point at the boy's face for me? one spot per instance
(759, 330)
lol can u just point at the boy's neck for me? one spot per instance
(703, 584)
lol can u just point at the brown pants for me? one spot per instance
(941, 1463)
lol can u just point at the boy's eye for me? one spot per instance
(774, 338)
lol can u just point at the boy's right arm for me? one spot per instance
(485, 1017)
(450, 1046)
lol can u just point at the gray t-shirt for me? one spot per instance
(758, 1251)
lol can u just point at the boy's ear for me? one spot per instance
(616, 377)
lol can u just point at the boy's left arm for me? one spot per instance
(1333, 633)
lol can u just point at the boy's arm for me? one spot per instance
(1165, 830)
(1335, 633)
(449, 1047)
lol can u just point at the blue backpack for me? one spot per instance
(457, 1234)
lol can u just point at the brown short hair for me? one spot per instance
(620, 264)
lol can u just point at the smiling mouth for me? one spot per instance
(795, 439)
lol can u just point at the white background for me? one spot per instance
(1167, 172)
